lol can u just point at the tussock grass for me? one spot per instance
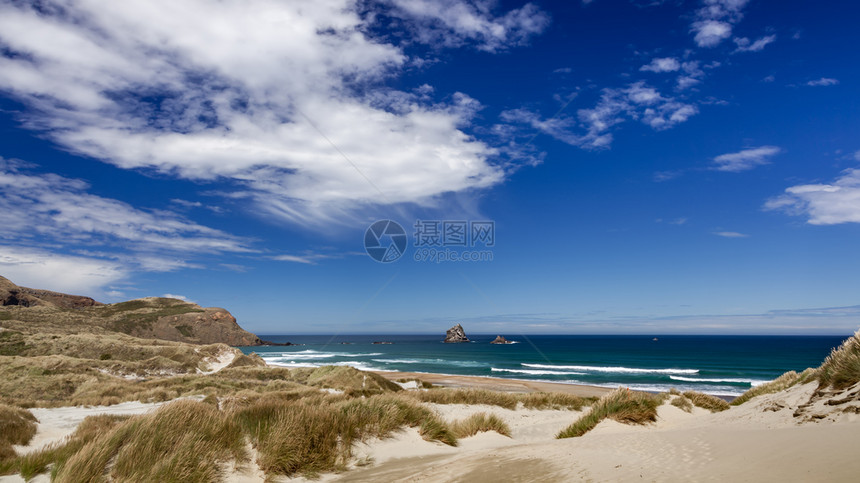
(554, 400)
(186, 440)
(706, 401)
(480, 422)
(622, 405)
(182, 441)
(467, 396)
(841, 368)
(532, 400)
(57, 454)
(781, 383)
(17, 426)
(681, 402)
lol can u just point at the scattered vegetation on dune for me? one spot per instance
(681, 402)
(466, 396)
(17, 426)
(480, 422)
(622, 405)
(841, 368)
(706, 401)
(554, 400)
(188, 440)
(781, 383)
(532, 400)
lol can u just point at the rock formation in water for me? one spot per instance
(456, 334)
(500, 340)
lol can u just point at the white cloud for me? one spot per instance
(61, 273)
(693, 74)
(744, 44)
(48, 206)
(730, 234)
(824, 81)
(714, 20)
(637, 101)
(823, 204)
(267, 95)
(857, 155)
(746, 159)
(452, 23)
(662, 64)
(178, 297)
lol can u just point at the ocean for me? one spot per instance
(719, 365)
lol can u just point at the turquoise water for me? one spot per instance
(721, 365)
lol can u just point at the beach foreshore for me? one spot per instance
(497, 383)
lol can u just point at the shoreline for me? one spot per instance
(497, 383)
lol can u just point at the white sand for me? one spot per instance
(776, 437)
(221, 360)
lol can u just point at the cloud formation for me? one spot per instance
(745, 45)
(661, 64)
(590, 129)
(714, 21)
(283, 100)
(454, 23)
(825, 203)
(824, 81)
(746, 159)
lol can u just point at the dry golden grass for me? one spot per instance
(17, 426)
(480, 422)
(622, 405)
(466, 396)
(532, 400)
(841, 368)
(781, 383)
(706, 401)
(187, 440)
(682, 403)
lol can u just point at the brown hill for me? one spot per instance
(148, 318)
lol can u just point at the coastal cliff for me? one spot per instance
(148, 318)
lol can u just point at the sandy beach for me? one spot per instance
(762, 440)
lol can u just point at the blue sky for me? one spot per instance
(650, 167)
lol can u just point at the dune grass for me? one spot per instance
(293, 433)
(532, 400)
(841, 368)
(622, 405)
(480, 422)
(781, 383)
(706, 401)
(681, 402)
(17, 426)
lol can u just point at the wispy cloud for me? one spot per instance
(296, 120)
(825, 203)
(52, 207)
(730, 234)
(746, 159)
(64, 273)
(453, 23)
(745, 45)
(591, 128)
(662, 64)
(824, 81)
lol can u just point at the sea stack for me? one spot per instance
(500, 340)
(456, 334)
